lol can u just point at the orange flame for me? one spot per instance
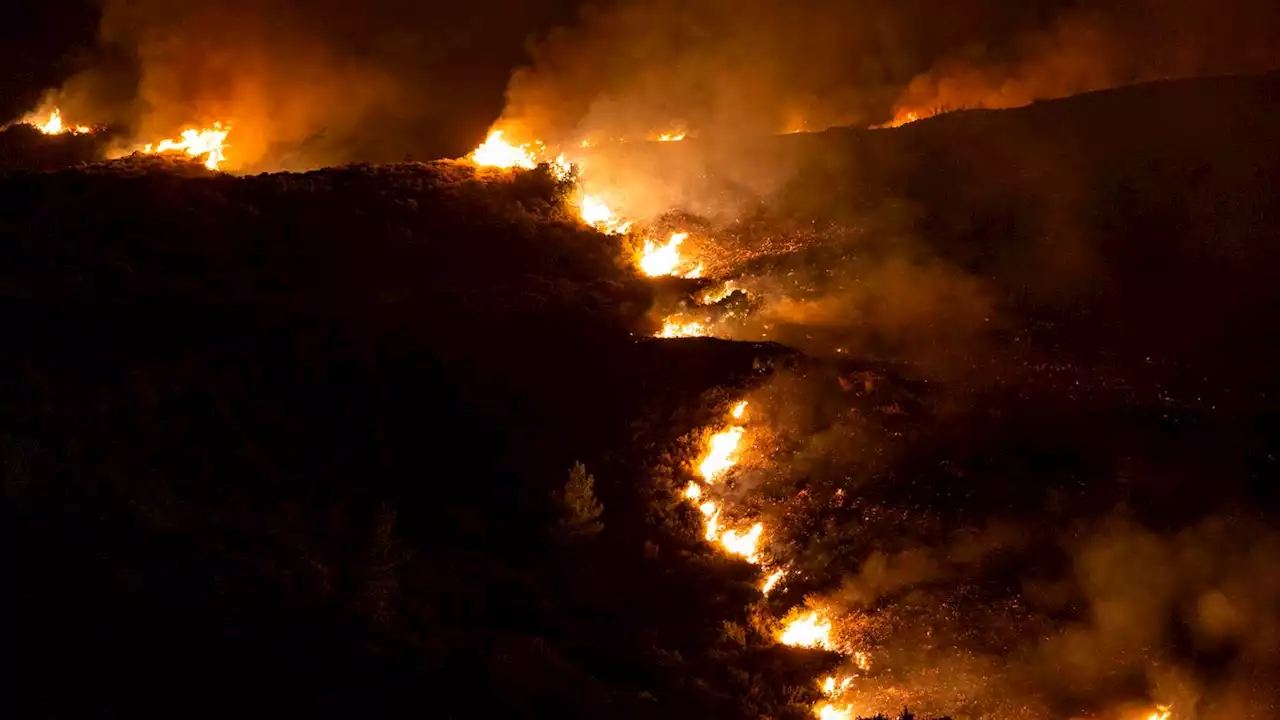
(693, 491)
(721, 456)
(598, 215)
(207, 142)
(811, 630)
(743, 544)
(54, 125)
(661, 259)
(772, 580)
(674, 328)
(827, 711)
(671, 137)
(496, 152)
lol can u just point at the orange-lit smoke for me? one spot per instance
(1099, 46)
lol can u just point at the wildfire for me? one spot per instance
(712, 515)
(721, 455)
(54, 125)
(496, 152)
(1162, 712)
(738, 410)
(206, 142)
(672, 328)
(693, 492)
(671, 137)
(810, 630)
(662, 259)
(712, 297)
(827, 711)
(743, 544)
(598, 215)
(832, 687)
(772, 580)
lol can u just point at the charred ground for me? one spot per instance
(303, 440)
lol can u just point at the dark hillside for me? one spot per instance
(293, 442)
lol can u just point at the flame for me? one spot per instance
(693, 492)
(712, 514)
(832, 687)
(662, 259)
(54, 126)
(738, 410)
(1162, 712)
(673, 328)
(827, 711)
(496, 152)
(209, 142)
(811, 630)
(712, 297)
(772, 580)
(598, 215)
(721, 454)
(743, 544)
(671, 137)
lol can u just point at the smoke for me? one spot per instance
(303, 84)
(1094, 47)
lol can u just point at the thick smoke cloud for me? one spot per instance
(305, 83)
(1098, 46)
(639, 67)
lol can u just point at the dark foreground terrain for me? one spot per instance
(309, 444)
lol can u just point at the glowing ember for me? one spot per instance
(743, 544)
(671, 137)
(207, 142)
(54, 126)
(862, 660)
(661, 259)
(810, 631)
(496, 152)
(675, 329)
(721, 455)
(598, 215)
(693, 492)
(772, 580)
(827, 711)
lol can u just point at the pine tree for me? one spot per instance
(577, 504)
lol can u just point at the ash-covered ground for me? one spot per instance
(303, 440)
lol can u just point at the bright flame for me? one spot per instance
(827, 711)
(598, 215)
(712, 514)
(676, 329)
(671, 137)
(810, 631)
(712, 297)
(1162, 712)
(722, 449)
(209, 142)
(738, 410)
(743, 544)
(662, 259)
(54, 126)
(832, 687)
(693, 492)
(496, 152)
(772, 580)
